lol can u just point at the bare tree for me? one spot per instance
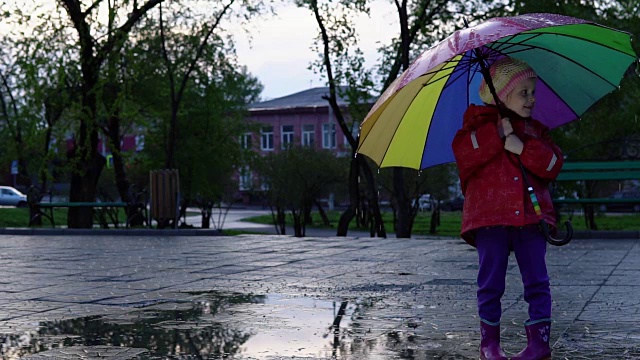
(336, 35)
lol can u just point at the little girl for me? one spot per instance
(498, 214)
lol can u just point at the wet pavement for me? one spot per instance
(276, 297)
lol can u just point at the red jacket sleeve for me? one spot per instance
(473, 148)
(542, 157)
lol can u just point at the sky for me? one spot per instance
(279, 53)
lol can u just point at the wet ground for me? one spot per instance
(277, 297)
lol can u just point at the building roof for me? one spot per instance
(311, 98)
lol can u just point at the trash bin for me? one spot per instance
(165, 196)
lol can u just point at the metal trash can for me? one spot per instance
(165, 196)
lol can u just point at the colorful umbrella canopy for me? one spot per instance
(414, 121)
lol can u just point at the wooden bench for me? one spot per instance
(599, 170)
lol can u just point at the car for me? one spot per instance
(425, 202)
(453, 204)
(624, 206)
(10, 196)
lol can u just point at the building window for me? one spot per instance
(245, 141)
(139, 142)
(308, 135)
(329, 136)
(245, 179)
(266, 138)
(286, 141)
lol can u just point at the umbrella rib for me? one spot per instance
(395, 131)
(469, 60)
(560, 98)
(470, 63)
(457, 68)
(505, 51)
(466, 63)
(542, 33)
(539, 33)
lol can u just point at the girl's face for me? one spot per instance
(522, 98)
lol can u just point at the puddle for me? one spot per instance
(214, 326)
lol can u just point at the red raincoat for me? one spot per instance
(490, 176)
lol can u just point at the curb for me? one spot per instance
(603, 234)
(110, 232)
(578, 234)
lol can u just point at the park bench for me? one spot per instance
(598, 170)
(105, 212)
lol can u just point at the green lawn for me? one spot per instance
(19, 217)
(450, 222)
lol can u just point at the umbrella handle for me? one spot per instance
(557, 242)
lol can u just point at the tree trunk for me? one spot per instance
(206, 217)
(84, 181)
(279, 220)
(373, 200)
(134, 212)
(298, 228)
(323, 215)
(589, 217)
(354, 199)
(358, 163)
(435, 220)
(589, 210)
(403, 228)
(87, 163)
(45, 166)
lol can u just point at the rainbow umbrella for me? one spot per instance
(414, 121)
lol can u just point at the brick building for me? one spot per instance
(300, 119)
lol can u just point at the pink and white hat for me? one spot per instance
(506, 73)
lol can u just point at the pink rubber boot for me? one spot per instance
(490, 342)
(538, 334)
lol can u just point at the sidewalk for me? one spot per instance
(275, 297)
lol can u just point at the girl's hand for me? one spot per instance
(504, 128)
(513, 144)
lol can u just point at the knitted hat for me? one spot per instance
(506, 73)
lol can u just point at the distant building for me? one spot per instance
(304, 118)
(301, 119)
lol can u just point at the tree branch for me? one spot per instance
(203, 44)
(90, 8)
(121, 32)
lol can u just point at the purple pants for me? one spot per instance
(530, 248)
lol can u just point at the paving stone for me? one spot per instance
(407, 298)
(89, 352)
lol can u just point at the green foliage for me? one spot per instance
(210, 112)
(297, 177)
(124, 88)
(37, 90)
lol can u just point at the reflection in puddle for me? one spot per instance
(215, 325)
(296, 327)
